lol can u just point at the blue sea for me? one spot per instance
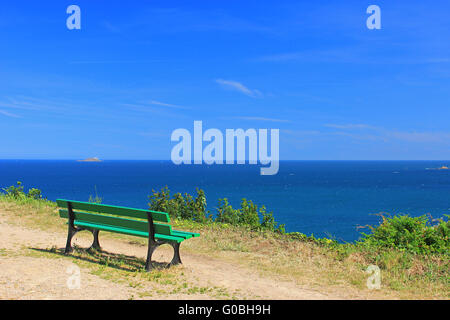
(324, 198)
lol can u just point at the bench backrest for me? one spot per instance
(135, 219)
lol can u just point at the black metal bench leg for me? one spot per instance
(95, 244)
(70, 233)
(148, 263)
(176, 253)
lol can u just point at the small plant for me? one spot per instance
(95, 199)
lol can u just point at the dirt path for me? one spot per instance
(24, 274)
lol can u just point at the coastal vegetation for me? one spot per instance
(194, 208)
(412, 253)
(17, 192)
(418, 235)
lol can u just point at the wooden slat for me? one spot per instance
(181, 234)
(131, 224)
(115, 210)
(185, 234)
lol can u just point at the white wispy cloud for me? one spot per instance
(29, 104)
(153, 134)
(414, 136)
(262, 119)
(8, 114)
(110, 27)
(369, 132)
(169, 105)
(155, 108)
(349, 126)
(358, 54)
(301, 133)
(237, 86)
(113, 61)
(347, 55)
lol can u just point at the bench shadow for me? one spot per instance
(106, 258)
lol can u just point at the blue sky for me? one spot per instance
(137, 70)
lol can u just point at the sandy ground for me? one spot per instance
(27, 276)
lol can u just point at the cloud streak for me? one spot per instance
(30, 104)
(237, 86)
(262, 119)
(114, 61)
(158, 103)
(349, 126)
(154, 108)
(8, 114)
(369, 132)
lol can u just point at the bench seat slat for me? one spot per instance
(185, 234)
(115, 221)
(115, 210)
(127, 231)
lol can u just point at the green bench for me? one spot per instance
(137, 222)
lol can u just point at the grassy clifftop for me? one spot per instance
(412, 254)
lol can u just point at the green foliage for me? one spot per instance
(303, 237)
(159, 201)
(443, 228)
(411, 234)
(180, 206)
(35, 193)
(268, 221)
(187, 207)
(17, 192)
(248, 215)
(226, 213)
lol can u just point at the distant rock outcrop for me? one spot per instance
(94, 159)
(440, 168)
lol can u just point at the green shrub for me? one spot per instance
(411, 234)
(303, 237)
(180, 206)
(248, 213)
(226, 213)
(190, 208)
(17, 192)
(443, 228)
(159, 201)
(34, 193)
(268, 221)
